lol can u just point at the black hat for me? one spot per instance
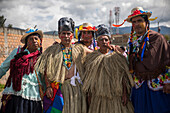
(65, 24)
(103, 30)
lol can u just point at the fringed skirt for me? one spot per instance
(146, 100)
(106, 105)
(16, 104)
(74, 98)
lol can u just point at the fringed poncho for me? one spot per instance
(103, 79)
(51, 61)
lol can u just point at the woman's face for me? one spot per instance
(33, 43)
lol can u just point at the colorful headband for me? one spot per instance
(87, 28)
(31, 30)
(135, 13)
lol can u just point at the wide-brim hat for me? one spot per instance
(137, 12)
(30, 31)
(86, 27)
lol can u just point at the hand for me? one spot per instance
(124, 95)
(49, 92)
(112, 47)
(116, 48)
(166, 88)
(124, 99)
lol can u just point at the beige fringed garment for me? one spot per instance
(74, 98)
(52, 61)
(103, 78)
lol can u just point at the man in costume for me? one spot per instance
(21, 93)
(148, 58)
(60, 65)
(107, 78)
(149, 61)
(87, 36)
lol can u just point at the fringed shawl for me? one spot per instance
(104, 74)
(51, 61)
(22, 64)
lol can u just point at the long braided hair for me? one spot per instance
(146, 42)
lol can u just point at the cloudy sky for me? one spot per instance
(46, 13)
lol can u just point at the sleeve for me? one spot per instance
(6, 64)
(157, 53)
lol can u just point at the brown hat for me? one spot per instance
(30, 31)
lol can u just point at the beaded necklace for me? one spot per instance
(67, 57)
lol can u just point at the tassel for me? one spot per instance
(152, 19)
(76, 33)
(144, 45)
(119, 25)
(94, 43)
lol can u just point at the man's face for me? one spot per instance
(139, 25)
(66, 37)
(33, 42)
(103, 41)
(87, 36)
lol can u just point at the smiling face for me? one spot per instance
(66, 37)
(139, 25)
(33, 42)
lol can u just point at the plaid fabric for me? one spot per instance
(55, 104)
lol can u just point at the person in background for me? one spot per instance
(21, 93)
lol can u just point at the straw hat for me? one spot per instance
(86, 27)
(137, 12)
(30, 31)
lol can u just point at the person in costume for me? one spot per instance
(21, 93)
(61, 67)
(149, 61)
(87, 36)
(107, 78)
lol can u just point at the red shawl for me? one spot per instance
(19, 67)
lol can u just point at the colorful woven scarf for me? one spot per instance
(22, 64)
(67, 57)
